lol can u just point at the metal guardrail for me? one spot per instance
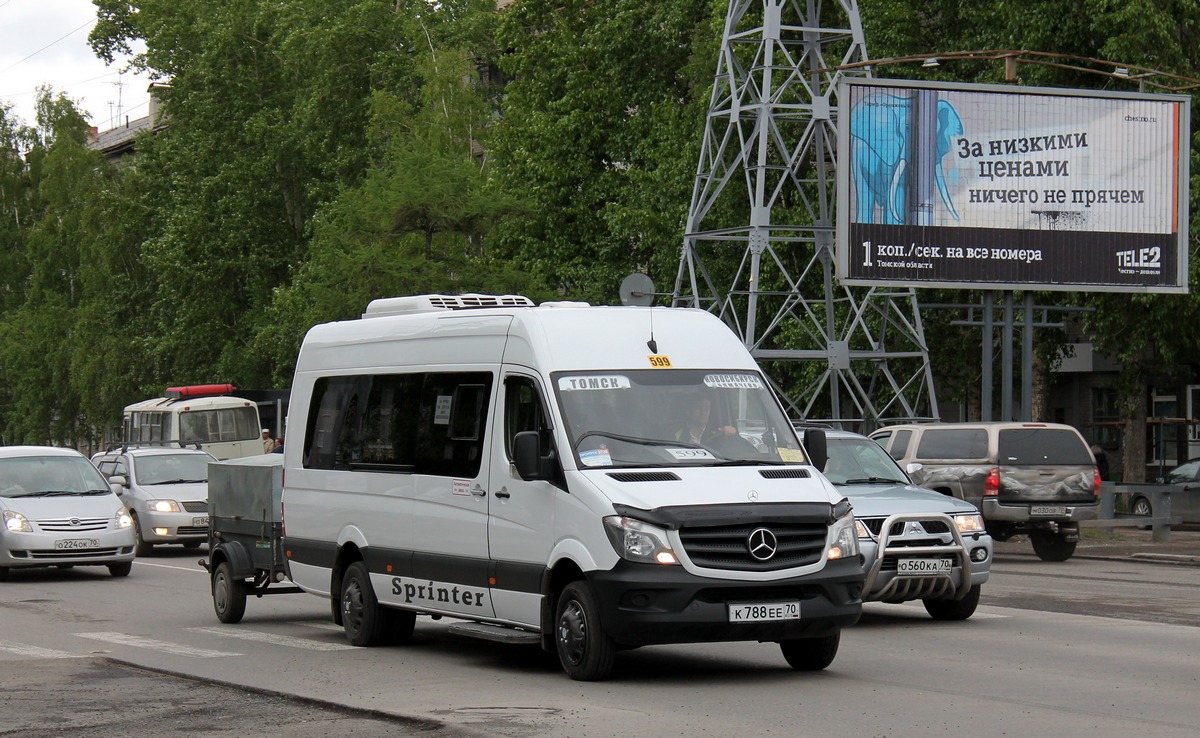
(1160, 502)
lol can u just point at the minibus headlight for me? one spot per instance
(16, 522)
(637, 541)
(843, 538)
(122, 519)
(164, 505)
(969, 523)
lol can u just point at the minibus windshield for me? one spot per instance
(673, 417)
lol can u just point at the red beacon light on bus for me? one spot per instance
(198, 390)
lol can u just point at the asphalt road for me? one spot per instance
(1082, 648)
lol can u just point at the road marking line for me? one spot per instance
(36, 652)
(195, 569)
(274, 639)
(332, 627)
(177, 649)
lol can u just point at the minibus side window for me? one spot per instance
(524, 411)
(424, 423)
(452, 413)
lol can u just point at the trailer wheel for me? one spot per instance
(228, 593)
(810, 654)
(365, 622)
(584, 649)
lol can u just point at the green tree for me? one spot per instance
(600, 133)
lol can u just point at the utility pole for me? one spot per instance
(758, 246)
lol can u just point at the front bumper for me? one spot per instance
(970, 559)
(644, 604)
(39, 548)
(176, 527)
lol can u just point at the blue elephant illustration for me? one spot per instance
(898, 141)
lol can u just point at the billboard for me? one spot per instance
(996, 187)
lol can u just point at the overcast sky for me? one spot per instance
(44, 42)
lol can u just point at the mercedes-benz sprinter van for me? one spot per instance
(586, 478)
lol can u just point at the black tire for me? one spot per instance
(401, 624)
(3, 573)
(143, 548)
(1051, 546)
(811, 654)
(954, 609)
(335, 608)
(120, 570)
(228, 594)
(585, 651)
(365, 622)
(191, 544)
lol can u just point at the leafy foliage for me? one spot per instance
(317, 154)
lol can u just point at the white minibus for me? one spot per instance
(585, 478)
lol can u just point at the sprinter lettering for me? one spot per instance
(436, 593)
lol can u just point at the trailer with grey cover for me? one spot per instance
(245, 533)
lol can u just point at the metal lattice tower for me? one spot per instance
(760, 230)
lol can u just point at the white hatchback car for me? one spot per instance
(165, 489)
(59, 511)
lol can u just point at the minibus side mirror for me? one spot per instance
(527, 453)
(118, 480)
(816, 446)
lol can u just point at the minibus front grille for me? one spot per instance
(645, 476)
(729, 546)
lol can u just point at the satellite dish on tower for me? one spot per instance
(637, 289)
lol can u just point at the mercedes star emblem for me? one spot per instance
(762, 544)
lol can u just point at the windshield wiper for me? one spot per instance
(54, 493)
(96, 492)
(745, 462)
(631, 439)
(875, 480)
(179, 481)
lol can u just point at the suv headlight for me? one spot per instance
(843, 536)
(16, 522)
(861, 529)
(164, 506)
(969, 523)
(638, 541)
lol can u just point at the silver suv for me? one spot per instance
(1038, 479)
(916, 544)
(165, 489)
